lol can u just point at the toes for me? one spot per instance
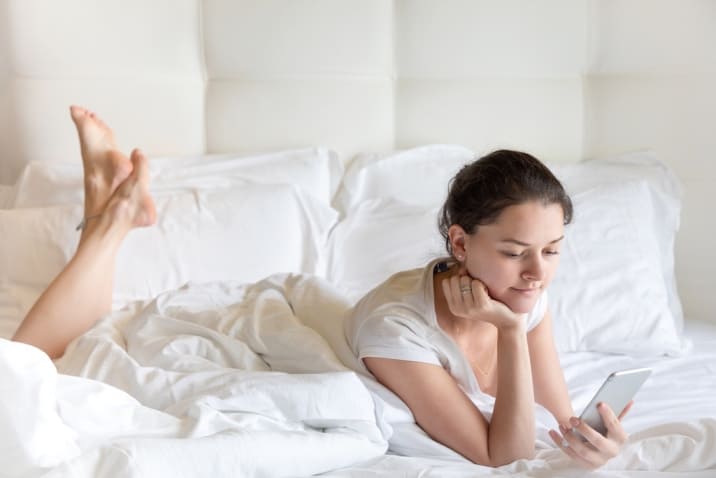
(149, 213)
(147, 210)
(136, 189)
(77, 113)
(140, 167)
(119, 168)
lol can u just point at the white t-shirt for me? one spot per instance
(396, 320)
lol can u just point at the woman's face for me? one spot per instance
(517, 256)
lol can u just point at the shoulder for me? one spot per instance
(391, 317)
(402, 290)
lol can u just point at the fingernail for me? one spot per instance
(574, 421)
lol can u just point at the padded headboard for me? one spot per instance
(564, 79)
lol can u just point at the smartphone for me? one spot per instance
(616, 391)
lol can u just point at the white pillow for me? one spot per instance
(35, 245)
(379, 238)
(609, 294)
(665, 197)
(315, 170)
(244, 233)
(415, 176)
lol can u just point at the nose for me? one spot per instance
(535, 270)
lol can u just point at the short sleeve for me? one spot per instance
(394, 337)
(535, 316)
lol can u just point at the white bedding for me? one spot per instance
(192, 382)
(195, 381)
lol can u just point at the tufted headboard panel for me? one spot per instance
(564, 79)
(187, 76)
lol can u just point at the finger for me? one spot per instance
(626, 410)
(557, 439)
(479, 292)
(466, 291)
(564, 445)
(447, 292)
(602, 444)
(455, 283)
(580, 450)
(615, 431)
(458, 305)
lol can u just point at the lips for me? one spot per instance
(528, 291)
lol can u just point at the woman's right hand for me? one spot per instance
(468, 298)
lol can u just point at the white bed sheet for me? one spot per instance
(672, 425)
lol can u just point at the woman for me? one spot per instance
(116, 200)
(478, 323)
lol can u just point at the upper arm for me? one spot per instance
(438, 404)
(547, 377)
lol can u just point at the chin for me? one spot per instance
(520, 309)
(522, 305)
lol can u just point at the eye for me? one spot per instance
(551, 252)
(512, 255)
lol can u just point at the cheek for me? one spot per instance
(496, 273)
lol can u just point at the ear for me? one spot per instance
(457, 236)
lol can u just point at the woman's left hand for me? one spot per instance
(598, 449)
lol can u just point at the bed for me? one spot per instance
(299, 152)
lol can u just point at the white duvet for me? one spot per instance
(190, 385)
(223, 379)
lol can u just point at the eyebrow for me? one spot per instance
(524, 244)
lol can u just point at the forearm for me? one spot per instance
(512, 427)
(549, 384)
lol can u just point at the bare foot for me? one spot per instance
(131, 204)
(105, 167)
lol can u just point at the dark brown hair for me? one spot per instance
(482, 189)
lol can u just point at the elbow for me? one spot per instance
(508, 456)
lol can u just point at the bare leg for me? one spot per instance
(82, 293)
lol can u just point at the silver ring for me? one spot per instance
(465, 290)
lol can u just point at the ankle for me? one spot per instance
(85, 221)
(104, 227)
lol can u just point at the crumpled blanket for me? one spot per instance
(219, 379)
